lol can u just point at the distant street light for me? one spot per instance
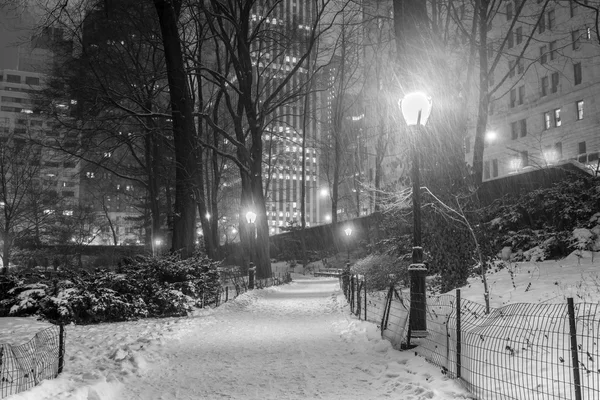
(348, 232)
(157, 243)
(416, 108)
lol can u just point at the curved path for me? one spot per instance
(295, 341)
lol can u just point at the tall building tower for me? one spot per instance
(283, 138)
(545, 112)
(47, 173)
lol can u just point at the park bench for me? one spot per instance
(335, 272)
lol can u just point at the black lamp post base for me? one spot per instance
(418, 300)
(418, 334)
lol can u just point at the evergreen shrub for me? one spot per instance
(145, 287)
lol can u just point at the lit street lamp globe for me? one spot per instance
(250, 217)
(416, 108)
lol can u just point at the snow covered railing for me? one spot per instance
(27, 365)
(519, 351)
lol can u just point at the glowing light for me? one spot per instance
(250, 217)
(416, 108)
(328, 217)
(348, 231)
(491, 136)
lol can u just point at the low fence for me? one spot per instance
(236, 285)
(26, 365)
(520, 351)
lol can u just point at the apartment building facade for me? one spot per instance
(546, 111)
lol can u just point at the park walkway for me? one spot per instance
(294, 341)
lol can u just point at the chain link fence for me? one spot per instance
(517, 352)
(26, 365)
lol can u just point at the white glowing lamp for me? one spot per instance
(348, 231)
(416, 108)
(250, 217)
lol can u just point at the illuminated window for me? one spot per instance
(557, 121)
(579, 106)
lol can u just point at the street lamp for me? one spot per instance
(251, 219)
(348, 232)
(157, 243)
(416, 108)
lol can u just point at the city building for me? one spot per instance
(283, 137)
(26, 133)
(545, 112)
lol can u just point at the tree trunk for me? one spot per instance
(6, 250)
(484, 98)
(184, 218)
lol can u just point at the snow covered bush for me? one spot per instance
(156, 287)
(582, 239)
(380, 270)
(24, 299)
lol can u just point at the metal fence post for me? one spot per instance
(458, 336)
(365, 285)
(352, 293)
(226, 294)
(251, 272)
(358, 299)
(61, 348)
(386, 309)
(574, 355)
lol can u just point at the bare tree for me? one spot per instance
(27, 202)
(261, 56)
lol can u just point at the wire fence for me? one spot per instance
(42, 357)
(520, 351)
(26, 365)
(235, 285)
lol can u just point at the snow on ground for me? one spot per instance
(18, 330)
(296, 341)
(577, 276)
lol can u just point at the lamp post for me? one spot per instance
(251, 219)
(416, 108)
(348, 232)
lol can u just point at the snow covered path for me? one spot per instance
(295, 341)
(288, 342)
